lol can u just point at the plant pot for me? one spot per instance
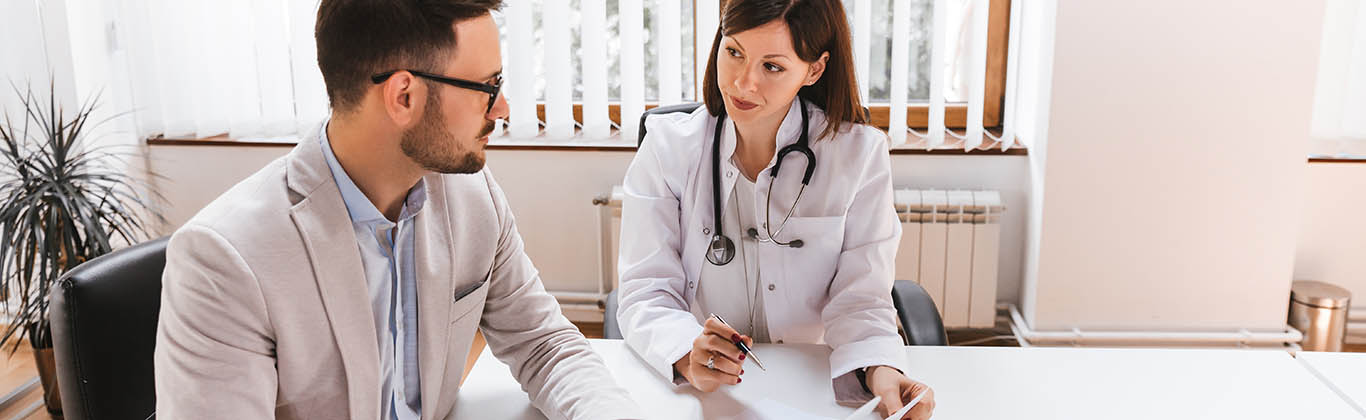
(47, 374)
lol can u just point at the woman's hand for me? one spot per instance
(716, 343)
(896, 390)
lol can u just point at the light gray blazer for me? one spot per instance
(265, 314)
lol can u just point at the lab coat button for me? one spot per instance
(771, 287)
(706, 231)
(692, 284)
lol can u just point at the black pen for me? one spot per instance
(740, 344)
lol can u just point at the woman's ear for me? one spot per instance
(817, 69)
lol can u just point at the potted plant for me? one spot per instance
(62, 202)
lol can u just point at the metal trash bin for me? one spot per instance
(1319, 310)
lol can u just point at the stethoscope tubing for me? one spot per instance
(721, 249)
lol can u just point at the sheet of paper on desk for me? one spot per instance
(767, 409)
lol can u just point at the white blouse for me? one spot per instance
(732, 290)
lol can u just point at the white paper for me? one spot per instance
(768, 409)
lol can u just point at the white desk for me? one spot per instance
(1346, 372)
(975, 383)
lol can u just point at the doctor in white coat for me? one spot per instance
(780, 219)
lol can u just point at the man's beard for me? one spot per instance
(435, 149)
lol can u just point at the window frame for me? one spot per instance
(917, 114)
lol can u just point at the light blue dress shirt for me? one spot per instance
(386, 250)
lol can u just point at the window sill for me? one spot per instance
(537, 144)
(1336, 159)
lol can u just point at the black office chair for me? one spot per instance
(685, 108)
(104, 326)
(920, 321)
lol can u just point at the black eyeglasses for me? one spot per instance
(489, 88)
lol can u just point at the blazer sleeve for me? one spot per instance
(525, 329)
(215, 349)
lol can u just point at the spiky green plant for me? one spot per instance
(62, 202)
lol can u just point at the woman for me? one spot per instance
(801, 257)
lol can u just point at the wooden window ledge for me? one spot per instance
(948, 149)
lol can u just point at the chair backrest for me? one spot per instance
(104, 326)
(920, 321)
(686, 108)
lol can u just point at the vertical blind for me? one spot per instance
(203, 68)
(247, 69)
(34, 56)
(1339, 121)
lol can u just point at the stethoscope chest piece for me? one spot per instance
(721, 250)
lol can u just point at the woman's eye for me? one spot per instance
(772, 67)
(732, 52)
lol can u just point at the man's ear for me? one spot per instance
(817, 69)
(403, 98)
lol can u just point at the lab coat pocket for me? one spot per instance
(813, 264)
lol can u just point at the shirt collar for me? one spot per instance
(357, 204)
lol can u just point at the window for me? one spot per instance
(201, 68)
(974, 38)
(1338, 129)
(962, 20)
(606, 56)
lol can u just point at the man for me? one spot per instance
(346, 279)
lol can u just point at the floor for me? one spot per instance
(18, 368)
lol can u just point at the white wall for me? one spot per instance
(1332, 245)
(1035, 93)
(551, 193)
(1176, 148)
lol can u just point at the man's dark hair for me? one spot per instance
(359, 38)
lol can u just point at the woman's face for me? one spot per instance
(758, 73)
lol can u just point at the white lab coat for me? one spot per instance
(834, 290)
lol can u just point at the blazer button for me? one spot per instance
(771, 287)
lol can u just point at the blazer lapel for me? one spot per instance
(325, 226)
(433, 255)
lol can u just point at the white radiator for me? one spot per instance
(950, 245)
(609, 222)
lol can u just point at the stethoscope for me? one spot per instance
(722, 249)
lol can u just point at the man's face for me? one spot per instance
(451, 136)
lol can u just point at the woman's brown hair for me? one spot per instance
(817, 26)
